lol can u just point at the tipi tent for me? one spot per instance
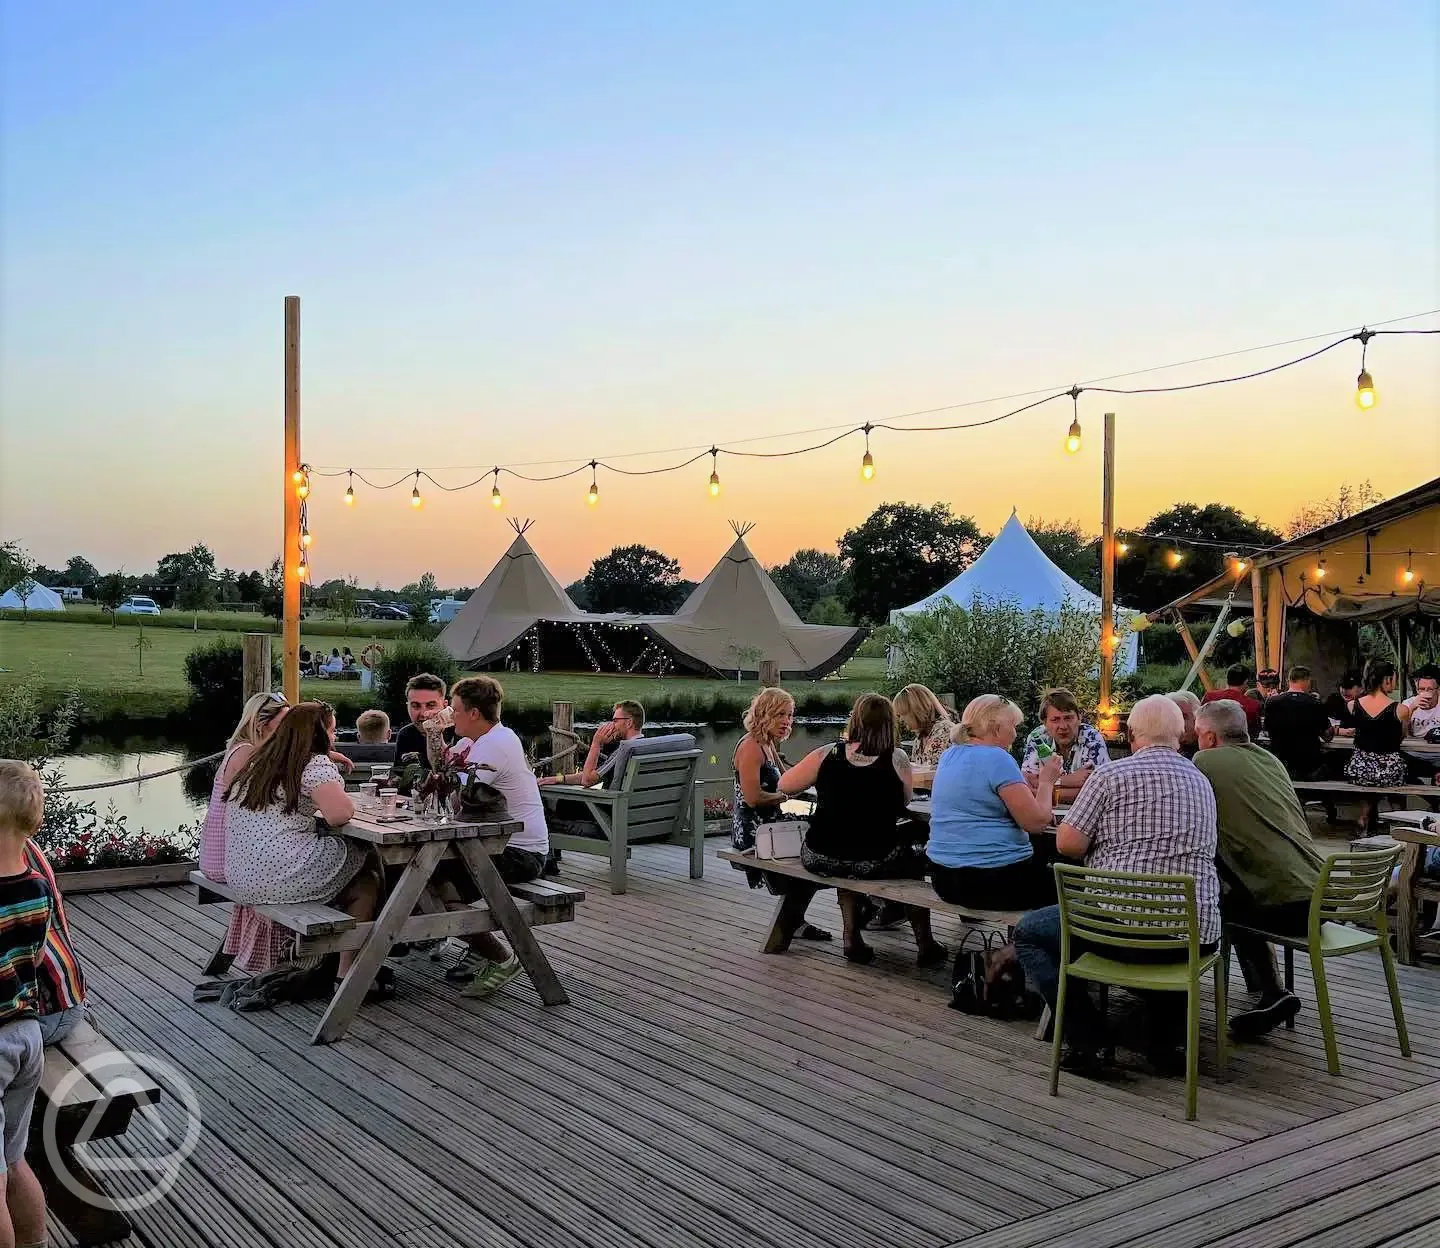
(736, 617)
(28, 596)
(1014, 568)
(519, 593)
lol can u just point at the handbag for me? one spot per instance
(989, 979)
(782, 839)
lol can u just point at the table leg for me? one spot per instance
(502, 906)
(399, 906)
(1406, 916)
(789, 916)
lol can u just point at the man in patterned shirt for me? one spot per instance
(1080, 746)
(1153, 811)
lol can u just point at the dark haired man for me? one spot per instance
(1234, 691)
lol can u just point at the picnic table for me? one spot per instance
(920, 808)
(1417, 831)
(1417, 747)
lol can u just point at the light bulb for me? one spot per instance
(1072, 439)
(1240, 566)
(1365, 391)
(305, 540)
(350, 496)
(1173, 558)
(1122, 548)
(297, 477)
(1320, 569)
(302, 490)
(301, 572)
(714, 485)
(495, 499)
(1408, 576)
(593, 496)
(867, 467)
(415, 499)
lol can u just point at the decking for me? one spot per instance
(697, 1093)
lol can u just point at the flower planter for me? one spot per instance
(107, 879)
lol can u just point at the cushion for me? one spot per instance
(614, 768)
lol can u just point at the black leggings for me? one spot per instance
(1024, 885)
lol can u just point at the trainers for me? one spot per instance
(890, 916)
(466, 969)
(451, 952)
(1266, 1016)
(493, 976)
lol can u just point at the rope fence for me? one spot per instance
(149, 775)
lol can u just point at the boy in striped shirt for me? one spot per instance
(25, 910)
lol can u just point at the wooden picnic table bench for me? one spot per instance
(90, 1091)
(413, 910)
(1406, 826)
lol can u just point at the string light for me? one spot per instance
(1174, 558)
(867, 465)
(495, 499)
(714, 472)
(1072, 439)
(1364, 384)
(415, 499)
(593, 496)
(305, 540)
(1236, 563)
(350, 491)
(1122, 548)
(1408, 576)
(302, 489)
(1320, 569)
(297, 476)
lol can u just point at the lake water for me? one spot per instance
(164, 804)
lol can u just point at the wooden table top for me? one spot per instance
(1411, 745)
(366, 826)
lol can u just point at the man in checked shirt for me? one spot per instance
(1153, 811)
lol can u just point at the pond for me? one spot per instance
(165, 803)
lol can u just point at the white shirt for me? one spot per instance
(1421, 720)
(500, 748)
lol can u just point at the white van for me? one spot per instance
(443, 610)
(71, 593)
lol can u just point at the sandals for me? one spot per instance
(860, 954)
(383, 989)
(808, 931)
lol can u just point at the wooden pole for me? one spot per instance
(1184, 630)
(291, 542)
(1257, 604)
(562, 746)
(1275, 616)
(769, 673)
(256, 667)
(1107, 570)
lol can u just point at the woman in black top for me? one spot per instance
(862, 785)
(1379, 730)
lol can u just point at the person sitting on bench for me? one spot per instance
(1380, 725)
(862, 786)
(1298, 727)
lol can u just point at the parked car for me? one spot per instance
(138, 605)
(71, 593)
(388, 612)
(443, 610)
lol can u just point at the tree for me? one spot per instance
(1070, 549)
(80, 572)
(808, 576)
(828, 611)
(343, 599)
(579, 595)
(251, 586)
(903, 552)
(192, 573)
(110, 592)
(272, 593)
(15, 565)
(227, 586)
(1347, 501)
(417, 597)
(1148, 575)
(636, 579)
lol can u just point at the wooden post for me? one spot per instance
(256, 669)
(769, 673)
(1107, 569)
(1257, 604)
(1184, 630)
(562, 715)
(290, 542)
(1275, 617)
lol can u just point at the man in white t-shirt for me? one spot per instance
(1425, 705)
(496, 757)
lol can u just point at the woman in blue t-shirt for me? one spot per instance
(983, 814)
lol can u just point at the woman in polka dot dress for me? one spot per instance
(278, 811)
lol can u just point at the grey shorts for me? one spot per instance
(22, 1062)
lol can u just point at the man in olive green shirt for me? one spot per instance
(1267, 863)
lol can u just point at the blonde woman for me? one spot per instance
(259, 717)
(983, 814)
(920, 712)
(758, 764)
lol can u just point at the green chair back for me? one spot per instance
(1127, 910)
(1353, 888)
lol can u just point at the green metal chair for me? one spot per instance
(1352, 888)
(1131, 910)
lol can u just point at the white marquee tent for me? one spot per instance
(1015, 569)
(34, 598)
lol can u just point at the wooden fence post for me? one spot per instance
(769, 673)
(562, 744)
(256, 666)
(947, 700)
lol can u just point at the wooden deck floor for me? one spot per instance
(697, 1093)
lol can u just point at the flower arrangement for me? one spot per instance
(719, 808)
(108, 841)
(444, 780)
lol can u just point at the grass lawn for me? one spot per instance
(103, 665)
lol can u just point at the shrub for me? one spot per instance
(215, 674)
(403, 660)
(874, 646)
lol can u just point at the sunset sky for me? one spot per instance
(555, 231)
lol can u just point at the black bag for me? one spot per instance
(989, 979)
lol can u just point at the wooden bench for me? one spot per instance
(790, 913)
(1413, 887)
(657, 800)
(1333, 789)
(322, 929)
(89, 1091)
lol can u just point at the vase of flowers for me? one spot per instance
(440, 785)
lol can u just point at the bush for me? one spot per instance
(399, 663)
(996, 647)
(215, 673)
(874, 646)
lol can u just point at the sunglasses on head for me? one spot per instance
(280, 698)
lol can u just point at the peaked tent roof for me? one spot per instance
(519, 591)
(35, 598)
(737, 607)
(1013, 567)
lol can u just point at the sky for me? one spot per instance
(553, 232)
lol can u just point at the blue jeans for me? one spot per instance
(55, 1027)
